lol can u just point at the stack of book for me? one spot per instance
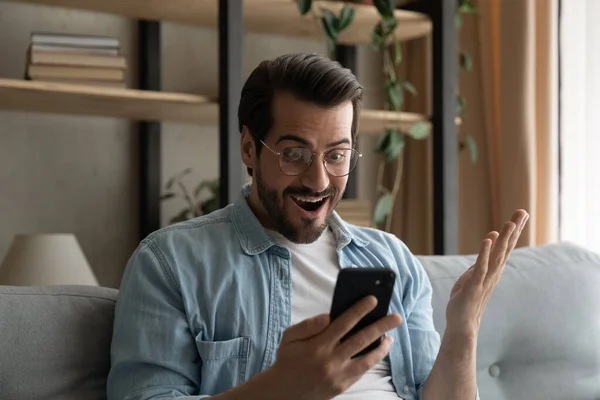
(76, 59)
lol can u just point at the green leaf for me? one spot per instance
(330, 22)
(304, 6)
(419, 130)
(395, 94)
(409, 87)
(377, 39)
(389, 24)
(396, 145)
(458, 20)
(385, 7)
(397, 51)
(466, 61)
(346, 18)
(383, 208)
(472, 145)
(467, 7)
(170, 183)
(384, 141)
(167, 196)
(461, 105)
(184, 172)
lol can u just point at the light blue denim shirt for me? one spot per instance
(203, 305)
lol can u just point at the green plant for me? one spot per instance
(203, 200)
(465, 61)
(392, 141)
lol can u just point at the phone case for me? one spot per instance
(353, 284)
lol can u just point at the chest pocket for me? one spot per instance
(224, 364)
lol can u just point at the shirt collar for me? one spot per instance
(255, 239)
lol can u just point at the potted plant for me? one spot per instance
(202, 200)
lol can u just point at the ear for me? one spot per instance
(247, 147)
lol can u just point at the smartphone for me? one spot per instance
(354, 284)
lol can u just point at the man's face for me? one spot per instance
(299, 207)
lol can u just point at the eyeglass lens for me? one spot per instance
(338, 162)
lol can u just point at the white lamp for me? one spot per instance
(46, 259)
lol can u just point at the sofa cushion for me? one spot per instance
(55, 342)
(540, 333)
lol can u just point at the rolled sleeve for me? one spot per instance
(425, 339)
(153, 352)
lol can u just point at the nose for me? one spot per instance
(316, 177)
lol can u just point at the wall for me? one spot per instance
(79, 174)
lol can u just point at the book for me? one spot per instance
(66, 39)
(41, 72)
(74, 49)
(109, 84)
(59, 58)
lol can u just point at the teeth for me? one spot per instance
(309, 199)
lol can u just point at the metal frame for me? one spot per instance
(347, 57)
(231, 38)
(149, 131)
(445, 142)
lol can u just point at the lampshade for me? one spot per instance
(46, 259)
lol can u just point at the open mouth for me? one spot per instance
(310, 204)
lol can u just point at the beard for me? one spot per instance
(309, 230)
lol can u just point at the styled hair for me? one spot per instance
(308, 77)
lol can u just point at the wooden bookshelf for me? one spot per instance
(63, 98)
(280, 17)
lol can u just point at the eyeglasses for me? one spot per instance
(297, 160)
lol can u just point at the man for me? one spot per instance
(234, 305)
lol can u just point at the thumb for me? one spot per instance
(306, 329)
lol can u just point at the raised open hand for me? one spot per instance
(472, 290)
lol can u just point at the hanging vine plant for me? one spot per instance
(465, 61)
(391, 142)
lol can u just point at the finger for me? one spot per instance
(360, 365)
(499, 248)
(305, 329)
(368, 335)
(483, 259)
(520, 219)
(349, 318)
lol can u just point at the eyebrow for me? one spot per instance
(307, 143)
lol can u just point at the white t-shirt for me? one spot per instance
(315, 267)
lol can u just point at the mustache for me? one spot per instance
(304, 191)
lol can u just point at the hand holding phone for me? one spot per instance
(312, 348)
(354, 284)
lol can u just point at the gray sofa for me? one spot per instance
(540, 336)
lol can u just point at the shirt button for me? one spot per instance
(405, 390)
(494, 371)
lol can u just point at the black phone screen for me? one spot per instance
(354, 284)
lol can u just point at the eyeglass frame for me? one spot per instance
(279, 153)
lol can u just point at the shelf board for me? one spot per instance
(374, 122)
(60, 98)
(280, 17)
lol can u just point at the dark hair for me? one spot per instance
(309, 77)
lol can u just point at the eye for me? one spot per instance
(336, 156)
(293, 154)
